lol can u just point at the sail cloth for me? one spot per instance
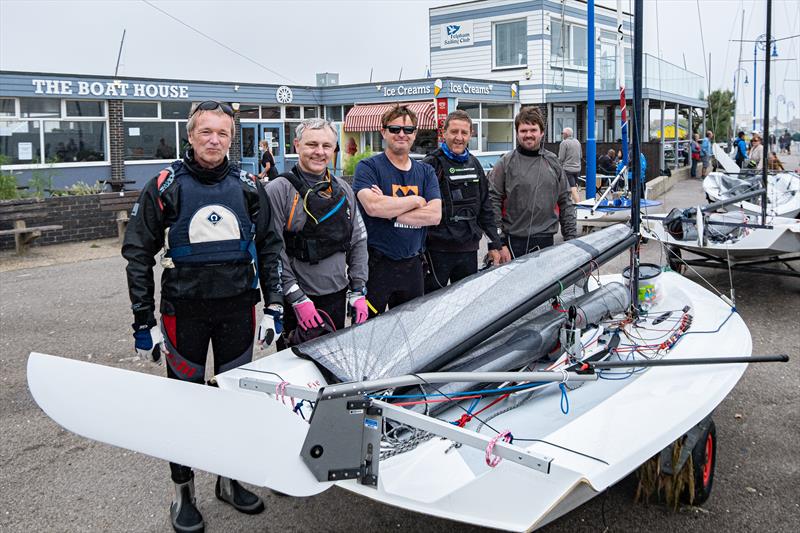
(416, 336)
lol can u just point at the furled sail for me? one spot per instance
(430, 331)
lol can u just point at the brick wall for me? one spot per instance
(235, 153)
(80, 217)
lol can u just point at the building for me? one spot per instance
(541, 45)
(92, 128)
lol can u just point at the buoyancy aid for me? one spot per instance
(329, 220)
(460, 187)
(213, 225)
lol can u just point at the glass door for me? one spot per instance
(250, 153)
(273, 134)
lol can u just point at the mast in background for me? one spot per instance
(765, 139)
(635, 175)
(621, 84)
(591, 127)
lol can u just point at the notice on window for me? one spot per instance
(133, 132)
(25, 151)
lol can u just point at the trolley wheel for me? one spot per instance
(674, 259)
(704, 457)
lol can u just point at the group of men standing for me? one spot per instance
(310, 242)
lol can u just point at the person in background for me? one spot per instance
(221, 253)
(706, 151)
(569, 154)
(325, 244)
(529, 191)
(756, 155)
(467, 214)
(696, 150)
(268, 169)
(399, 198)
(774, 163)
(606, 164)
(741, 150)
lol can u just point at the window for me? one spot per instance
(150, 140)
(292, 111)
(175, 110)
(492, 126)
(270, 112)
(85, 108)
(425, 143)
(248, 111)
(373, 141)
(39, 107)
(310, 112)
(510, 44)
(69, 141)
(289, 135)
(20, 141)
(567, 44)
(140, 109)
(334, 113)
(58, 131)
(7, 107)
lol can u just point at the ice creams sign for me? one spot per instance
(466, 87)
(456, 34)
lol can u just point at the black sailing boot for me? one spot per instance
(244, 501)
(183, 512)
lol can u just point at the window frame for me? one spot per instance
(495, 23)
(42, 163)
(569, 63)
(176, 124)
(477, 124)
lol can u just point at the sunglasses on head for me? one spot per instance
(408, 130)
(210, 105)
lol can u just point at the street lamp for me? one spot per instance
(736, 93)
(760, 44)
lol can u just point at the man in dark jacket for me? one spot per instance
(466, 211)
(529, 191)
(214, 223)
(741, 150)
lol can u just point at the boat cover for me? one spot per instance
(783, 188)
(418, 335)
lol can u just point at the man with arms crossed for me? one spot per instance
(529, 191)
(399, 198)
(325, 243)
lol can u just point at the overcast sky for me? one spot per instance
(292, 40)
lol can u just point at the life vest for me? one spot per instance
(329, 220)
(460, 189)
(213, 225)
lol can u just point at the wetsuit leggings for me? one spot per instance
(228, 326)
(393, 282)
(334, 305)
(524, 245)
(444, 267)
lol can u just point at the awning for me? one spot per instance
(368, 117)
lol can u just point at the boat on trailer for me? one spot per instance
(504, 400)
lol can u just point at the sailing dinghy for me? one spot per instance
(783, 192)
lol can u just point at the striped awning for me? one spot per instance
(368, 117)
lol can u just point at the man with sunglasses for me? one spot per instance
(325, 243)
(213, 222)
(529, 190)
(467, 214)
(399, 198)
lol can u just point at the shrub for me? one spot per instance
(8, 182)
(350, 165)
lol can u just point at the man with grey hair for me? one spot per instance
(213, 222)
(325, 252)
(569, 154)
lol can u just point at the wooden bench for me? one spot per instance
(23, 235)
(121, 203)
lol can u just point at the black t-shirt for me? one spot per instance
(266, 157)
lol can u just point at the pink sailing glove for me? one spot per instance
(357, 302)
(307, 315)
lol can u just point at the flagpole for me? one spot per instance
(621, 85)
(591, 142)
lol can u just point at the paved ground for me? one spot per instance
(76, 306)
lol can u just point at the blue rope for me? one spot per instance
(465, 393)
(564, 398)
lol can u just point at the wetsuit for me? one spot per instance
(219, 250)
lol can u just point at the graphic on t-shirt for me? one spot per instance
(405, 190)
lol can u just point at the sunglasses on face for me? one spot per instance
(210, 105)
(408, 130)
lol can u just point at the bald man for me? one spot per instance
(569, 154)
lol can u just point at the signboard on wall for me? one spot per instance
(456, 34)
(441, 116)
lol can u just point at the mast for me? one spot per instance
(591, 146)
(621, 84)
(636, 184)
(765, 138)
